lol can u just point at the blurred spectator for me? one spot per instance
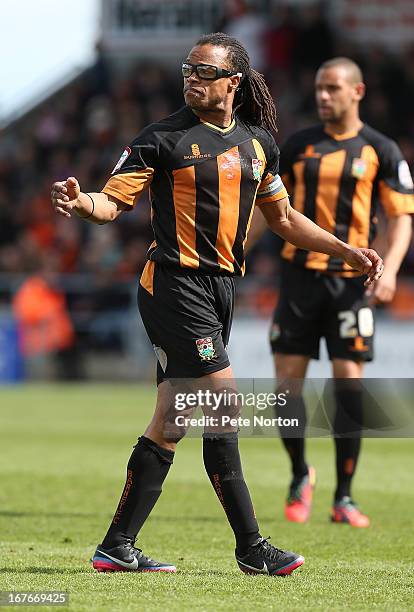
(315, 38)
(281, 38)
(247, 25)
(45, 326)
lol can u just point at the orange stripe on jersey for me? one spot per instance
(147, 277)
(130, 186)
(185, 212)
(269, 178)
(288, 250)
(395, 203)
(358, 234)
(327, 193)
(229, 173)
(153, 245)
(266, 184)
(260, 155)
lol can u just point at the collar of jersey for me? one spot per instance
(215, 127)
(345, 136)
(219, 129)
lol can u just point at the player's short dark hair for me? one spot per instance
(354, 71)
(253, 102)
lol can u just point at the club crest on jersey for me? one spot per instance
(205, 348)
(359, 167)
(122, 159)
(257, 168)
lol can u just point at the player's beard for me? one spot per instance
(332, 118)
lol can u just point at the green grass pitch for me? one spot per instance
(63, 455)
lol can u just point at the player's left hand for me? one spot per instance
(383, 290)
(366, 261)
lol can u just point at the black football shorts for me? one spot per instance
(188, 318)
(314, 305)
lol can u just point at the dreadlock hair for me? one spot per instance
(253, 102)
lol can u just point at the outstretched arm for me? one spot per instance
(95, 207)
(305, 234)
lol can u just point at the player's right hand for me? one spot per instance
(65, 195)
(366, 261)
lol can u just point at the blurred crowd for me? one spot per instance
(83, 129)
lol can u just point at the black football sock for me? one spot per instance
(347, 429)
(295, 408)
(147, 469)
(223, 466)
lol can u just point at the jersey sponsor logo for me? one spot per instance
(196, 153)
(205, 348)
(257, 165)
(359, 168)
(122, 159)
(404, 175)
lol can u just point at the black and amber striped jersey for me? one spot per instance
(204, 181)
(338, 181)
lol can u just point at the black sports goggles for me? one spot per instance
(207, 71)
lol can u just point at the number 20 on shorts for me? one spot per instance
(357, 323)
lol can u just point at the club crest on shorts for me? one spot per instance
(205, 348)
(359, 167)
(122, 159)
(257, 168)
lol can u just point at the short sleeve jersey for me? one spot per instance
(338, 182)
(204, 182)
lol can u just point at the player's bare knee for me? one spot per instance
(347, 368)
(290, 368)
